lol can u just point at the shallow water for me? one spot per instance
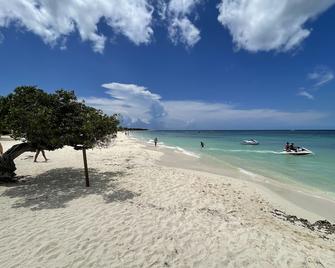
(316, 172)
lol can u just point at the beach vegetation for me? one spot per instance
(50, 121)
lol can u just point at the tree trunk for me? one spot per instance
(7, 166)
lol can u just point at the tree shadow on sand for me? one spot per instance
(120, 195)
(55, 188)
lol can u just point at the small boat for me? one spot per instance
(250, 142)
(299, 151)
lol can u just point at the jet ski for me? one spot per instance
(298, 151)
(250, 142)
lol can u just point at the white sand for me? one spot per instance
(138, 213)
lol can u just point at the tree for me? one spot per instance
(3, 110)
(49, 122)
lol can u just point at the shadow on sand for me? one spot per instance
(55, 188)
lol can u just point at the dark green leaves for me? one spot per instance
(51, 121)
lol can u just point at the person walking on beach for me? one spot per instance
(202, 145)
(155, 141)
(38, 151)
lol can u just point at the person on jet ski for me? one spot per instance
(292, 147)
(287, 147)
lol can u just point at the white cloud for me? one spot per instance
(254, 24)
(135, 103)
(180, 28)
(321, 76)
(53, 20)
(140, 107)
(203, 115)
(269, 24)
(306, 94)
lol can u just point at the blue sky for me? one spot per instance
(179, 64)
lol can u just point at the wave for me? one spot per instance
(245, 151)
(175, 148)
(152, 142)
(187, 152)
(246, 172)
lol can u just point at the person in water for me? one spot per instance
(202, 144)
(155, 141)
(38, 151)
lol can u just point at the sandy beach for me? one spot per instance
(145, 209)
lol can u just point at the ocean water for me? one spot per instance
(315, 172)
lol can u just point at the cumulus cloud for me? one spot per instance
(142, 108)
(54, 20)
(181, 29)
(254, 24)
(321, 76)
(269, 24)
(137, 105)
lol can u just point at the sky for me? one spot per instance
(179, 64)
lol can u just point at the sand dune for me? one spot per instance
(138, 213)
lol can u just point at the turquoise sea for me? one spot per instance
(314, 172)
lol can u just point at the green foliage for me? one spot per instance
(51, 121)
(3, 111)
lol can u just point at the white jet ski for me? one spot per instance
(299, 151)
(250, 142)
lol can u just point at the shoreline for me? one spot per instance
(293, 199)
(140, 213)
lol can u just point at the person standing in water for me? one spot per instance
(202, 145)
(156, 140)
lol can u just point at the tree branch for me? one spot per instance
(18, 149)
